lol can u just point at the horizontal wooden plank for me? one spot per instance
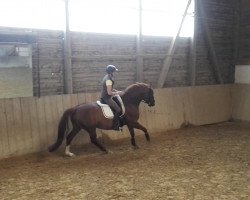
(33, 128)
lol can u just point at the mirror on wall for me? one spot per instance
(15, 70)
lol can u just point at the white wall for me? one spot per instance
(242, 74)
(241, 93)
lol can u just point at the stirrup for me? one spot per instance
(117, 127)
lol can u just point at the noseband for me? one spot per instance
(149, 98)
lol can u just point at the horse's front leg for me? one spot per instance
(132, 133)
(137, 125)
(140, 127)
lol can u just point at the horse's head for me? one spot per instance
(148, 97)
(141, 92)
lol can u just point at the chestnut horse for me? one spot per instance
(89, 117)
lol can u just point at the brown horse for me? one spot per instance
(89, 117)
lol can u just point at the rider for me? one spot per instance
(108, 91)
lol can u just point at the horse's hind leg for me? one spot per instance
(94, 140)
(69, 139)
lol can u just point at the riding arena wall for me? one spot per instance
(29, 124)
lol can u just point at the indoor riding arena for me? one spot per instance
(193, 54)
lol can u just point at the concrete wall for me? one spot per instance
(30, 124)
(241, 93)
(241, 102)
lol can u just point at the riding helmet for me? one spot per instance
(110, 69)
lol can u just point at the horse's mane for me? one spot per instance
(135, 86)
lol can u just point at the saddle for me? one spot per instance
(107, 111)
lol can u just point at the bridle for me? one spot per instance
(149, 99)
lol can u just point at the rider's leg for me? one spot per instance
(117, 109)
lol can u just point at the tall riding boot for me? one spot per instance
(116, 122)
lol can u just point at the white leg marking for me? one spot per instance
(67, 151)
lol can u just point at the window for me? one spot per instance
(109, 16)
(159, 17)
(163, 17)
(15, 70)
(41, 14)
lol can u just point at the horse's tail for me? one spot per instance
(61, 129)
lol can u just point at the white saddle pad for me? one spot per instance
(107, 112)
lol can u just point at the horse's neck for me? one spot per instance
(128, 99)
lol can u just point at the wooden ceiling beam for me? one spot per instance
(193, 49)
(209, 40)
(167, 62)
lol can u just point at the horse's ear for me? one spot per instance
(150, 85)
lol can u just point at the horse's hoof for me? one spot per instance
(107, 152)
(111, 152)
(147, 138)
(69, 154)
(135, 147)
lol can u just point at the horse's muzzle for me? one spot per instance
(151, 104)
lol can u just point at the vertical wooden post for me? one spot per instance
(236, 37)
(193, 44)
(169, 58)
(68, 86)
(38, 68)
(139, 49)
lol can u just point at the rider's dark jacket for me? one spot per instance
(108, 79)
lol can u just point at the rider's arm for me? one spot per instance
(110, 89)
